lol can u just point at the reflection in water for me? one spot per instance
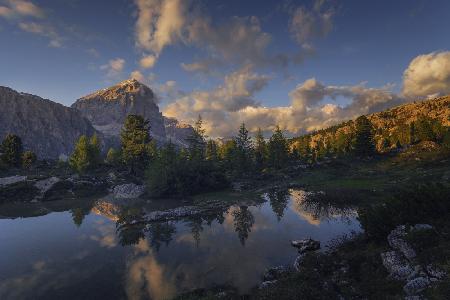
(243, 222)
(279, 199)
(111, 251)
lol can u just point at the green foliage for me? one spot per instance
(422, 204)
(28, 159)
(11, 148)
(277, 150)
(212, 153)
(260, 150)
(113, 157)
(135, 138)
(364, 144)
(197, 141)
(244, 150)
(86, 155)
(446, 140)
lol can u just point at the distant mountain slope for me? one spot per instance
(108, 108)
(390, 124)
(45, 127)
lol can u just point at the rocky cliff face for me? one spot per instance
(177, 132)
(45, 127)
(108, 108)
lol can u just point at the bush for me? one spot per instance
(424, 204)
(28, 159)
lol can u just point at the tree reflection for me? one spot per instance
(243, 223)
(130, 227)
(195, 224)
(160, 233)
(278, 201)
(78, 215)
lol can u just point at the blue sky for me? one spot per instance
(63, 50)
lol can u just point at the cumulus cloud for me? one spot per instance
(114, 67)
(237, 41)
(312, 105)
(427, 75)
(307, 24)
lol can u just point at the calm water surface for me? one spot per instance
(86, 250)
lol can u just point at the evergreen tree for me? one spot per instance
(95, 150)
(12, 148)
(260, 150)
(163, 172)
(277, 150)
(135, 137)
(113, 157)
(244, 150)
(211, 151)
(80, 159)
(364, 144)
(197, 141)
(28, 159)
(424, 129)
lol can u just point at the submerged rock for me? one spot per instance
(306, 245)
(128, 191)
(276, 273)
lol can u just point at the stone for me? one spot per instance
(396, 240)
(46, 184)
(416, 285)
(306, 245)
(128, 191)
(298, 261)
(266, 284)
(396, 265)
(11, 180)
(422, 227)
(435, 272)
(275, 273)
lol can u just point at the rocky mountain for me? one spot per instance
(393, 122)
(108, 108)
(47, 128)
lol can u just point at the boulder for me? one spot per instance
(396, 265)
(396, 240)
(12, 179)
(416, 285)
(128, 191)
(45, 185)
(276, 273)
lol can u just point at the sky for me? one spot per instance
(302, 65)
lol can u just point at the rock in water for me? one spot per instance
(12, 179)
(47, 128)
(128, 191)
(306, 245)
(108, 108)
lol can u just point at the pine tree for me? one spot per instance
(244, 148)
(113, 157)
(211, 151)
(80, 158)
(197, 141)
(364, 143)
(11, 148)
(277, 150)
(424, 129)
(28, 159)
(260, 150)
(95, 150)
(135, 137)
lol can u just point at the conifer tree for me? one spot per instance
(277, 149)
(80, 159)
(211, 151)
(197, 141)
(135, 137)
(11, 148)
(244, 148)
(364, 143)
(260, 150)
(28, 159)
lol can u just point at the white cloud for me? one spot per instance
(138, 76)
(44, 30)
(307, 24)
(148, 61)
(427, 75)
(114, 67)
(21, 8)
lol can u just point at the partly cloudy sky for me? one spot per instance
(298, 64)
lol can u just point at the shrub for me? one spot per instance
(28, 159)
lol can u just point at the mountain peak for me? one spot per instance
(121, 90)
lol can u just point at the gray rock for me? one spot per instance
(276, 273)
(422, 227)
(45, 185)
(416, 285)
(396, 265)
(435, 272)
(266, 284)
(306, 245)
(128, 191)
(11, 180)
(396, 240)
(298, 261)
(47, 128)
(108, 108)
